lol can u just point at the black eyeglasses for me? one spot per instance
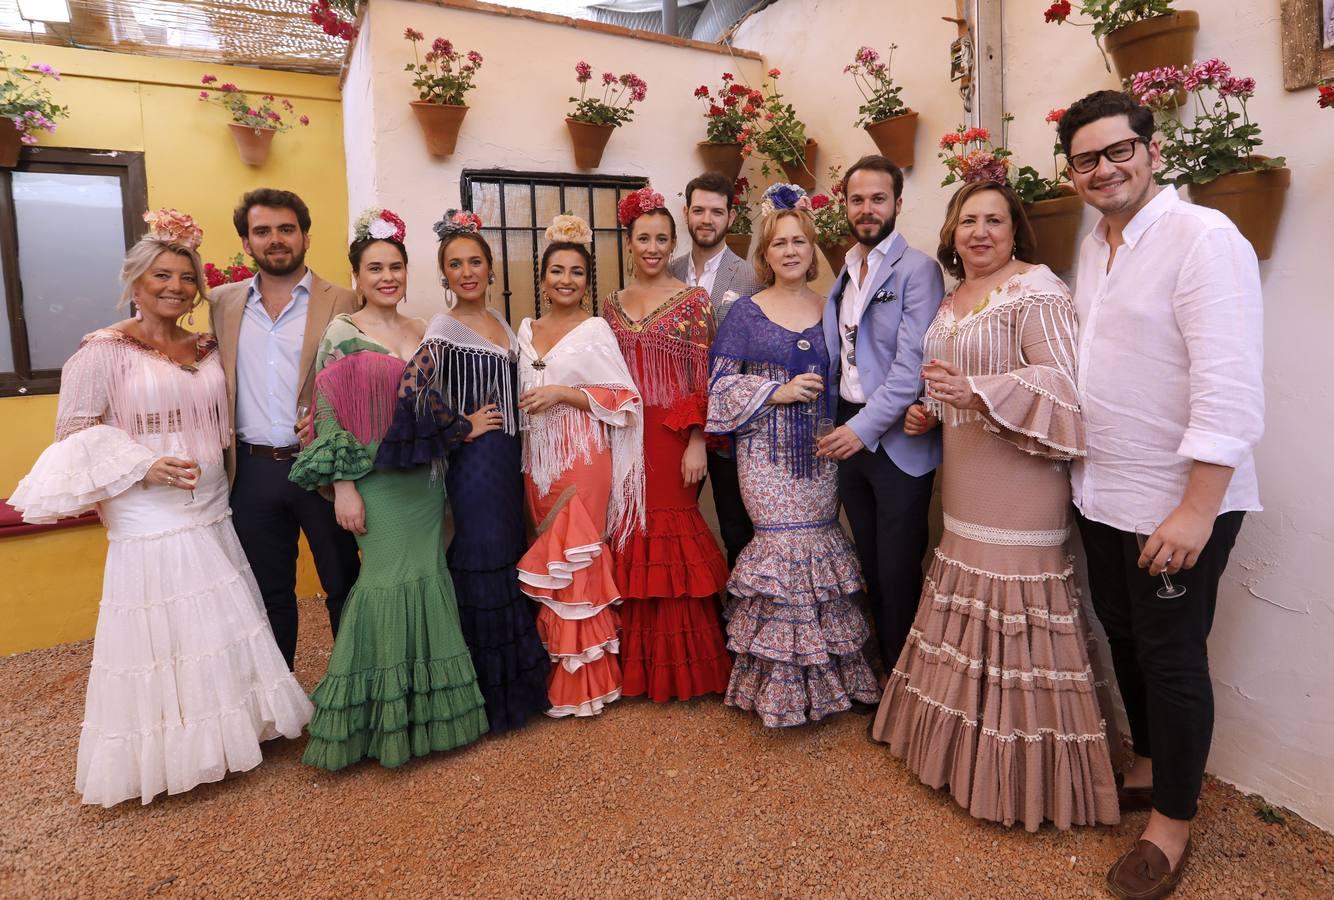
(1119, 152)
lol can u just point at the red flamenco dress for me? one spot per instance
(671, 572)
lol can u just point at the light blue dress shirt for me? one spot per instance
(268, 363)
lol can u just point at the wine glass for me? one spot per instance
(198, 471)
(823, 428)
(303, 436)
(1168, 591)
(811, 407)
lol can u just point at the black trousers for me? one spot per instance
(269, 513)
(1160, 653)
(733, 520)
(887, 510)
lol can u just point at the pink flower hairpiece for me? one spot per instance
(636, 203)
(174, 227)
(379, 224)
(457, 221)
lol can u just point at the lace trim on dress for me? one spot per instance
(1030, 612)
(1071, 737)
(1006, 537)
(1045, 576)
(977, 665)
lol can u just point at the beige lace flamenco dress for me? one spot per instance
(993, 694)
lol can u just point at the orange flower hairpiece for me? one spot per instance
(174, 227)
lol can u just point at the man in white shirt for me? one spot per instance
(1170, 382)
(268, 329)
(712, 265)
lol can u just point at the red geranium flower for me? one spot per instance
(820, 201)
(774, 73)
(1055, 116)
(1057, 12)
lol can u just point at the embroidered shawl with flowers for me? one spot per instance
(667, 353)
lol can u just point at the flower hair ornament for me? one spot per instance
(380, 225)
(457, 221)
(636, 203)
(784, 196)
(174, 227)
(568, 229)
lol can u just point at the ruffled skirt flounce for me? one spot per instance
(186, 679)
(569, 572)
(796, 630)
(994, 695)
(672, 644)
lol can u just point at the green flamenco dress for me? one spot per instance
(400, 681)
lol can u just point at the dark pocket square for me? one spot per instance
(884, 296)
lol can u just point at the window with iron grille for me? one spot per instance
(517, 207)
(66, 219)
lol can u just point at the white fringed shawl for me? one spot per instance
(586, 358)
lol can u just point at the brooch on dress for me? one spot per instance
(803, 344)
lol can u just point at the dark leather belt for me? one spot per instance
(280, 454)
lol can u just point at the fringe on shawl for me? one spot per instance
(361, 392)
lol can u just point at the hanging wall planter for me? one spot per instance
(895, 137)
(834, 253)
(252, 143)
(739, 244)
(589, 142)
(1152, 43)
(440, 124)
(1055, 224)
(720, 157)
(1252, 200)
(802, 173)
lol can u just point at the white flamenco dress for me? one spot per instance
(186, 679)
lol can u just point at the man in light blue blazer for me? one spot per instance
(878, 311)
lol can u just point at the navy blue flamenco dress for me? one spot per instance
(458, 369)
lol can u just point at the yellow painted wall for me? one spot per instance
(52, 581)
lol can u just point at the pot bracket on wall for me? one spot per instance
(1305, 62)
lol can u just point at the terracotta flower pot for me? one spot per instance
(803, 175)
(440, 124)
(894, 137)
(589, 142)
(834, 253)
(1252, 200)
(739, 244)
(722, 158)
(1055, 224)
(1161, 41)
(252, 143)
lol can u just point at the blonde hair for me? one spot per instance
(768, 227)
(141, 257)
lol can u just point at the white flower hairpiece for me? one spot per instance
(380, 224)
(568, 229)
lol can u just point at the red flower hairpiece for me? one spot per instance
(636, 203)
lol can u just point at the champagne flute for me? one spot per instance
(1169, 590)
(823, 428)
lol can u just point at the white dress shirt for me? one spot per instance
(268, 362)
(856, 294)
(1170, 362)
(706, 278)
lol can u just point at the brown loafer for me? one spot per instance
(1132, 799)
(1144, 874)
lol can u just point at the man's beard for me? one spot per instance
(886, 228)
(298, 262)
(718, 238)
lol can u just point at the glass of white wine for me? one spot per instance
(1169, 590)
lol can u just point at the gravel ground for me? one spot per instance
(684, 799)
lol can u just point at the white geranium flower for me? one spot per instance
(381, 229)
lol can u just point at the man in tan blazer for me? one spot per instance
(269, 329)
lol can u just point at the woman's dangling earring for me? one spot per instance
(444, 283)
(138, 310)
(190, 319)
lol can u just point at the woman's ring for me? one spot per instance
(171, 479)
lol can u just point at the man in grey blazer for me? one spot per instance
(878, 312)
(711, 264)
(269, 328)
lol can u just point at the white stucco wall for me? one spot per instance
(516, 118)
(1271, 645)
